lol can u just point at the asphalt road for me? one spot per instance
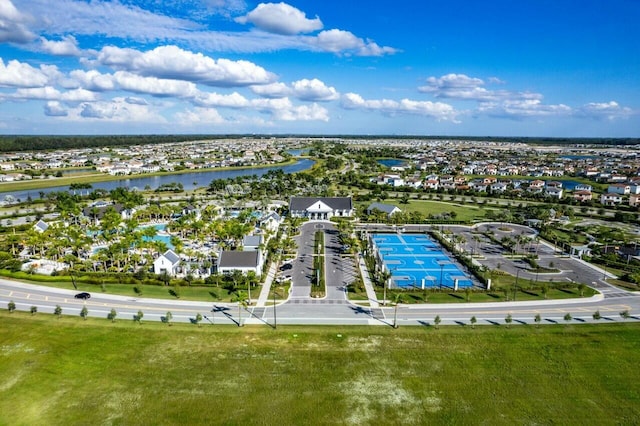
(300, 308)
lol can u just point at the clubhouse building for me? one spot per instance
(320, 208)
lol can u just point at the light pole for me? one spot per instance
(515, 285)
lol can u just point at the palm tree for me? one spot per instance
(385, 276)
(537, 319)
(508, 319)
(567, 317)
(473, 321)
(241, 298)
(398, 298)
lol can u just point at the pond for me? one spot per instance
(189, 181)
(392, 162)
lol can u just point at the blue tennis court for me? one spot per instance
(415, 260)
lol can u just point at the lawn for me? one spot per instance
(466, 212)
(70, 371)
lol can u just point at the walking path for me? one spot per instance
(368, 285)
(266, 287)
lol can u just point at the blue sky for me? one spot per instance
(492, 68)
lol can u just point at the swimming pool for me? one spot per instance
(161, 236)
(416, 261)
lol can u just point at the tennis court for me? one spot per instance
(415, 260)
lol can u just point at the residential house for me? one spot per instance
(582, 196)
(168, 262)
(243, 261)
(634, 200)
(251, 242)
(619, 188)
(41, 226)
(610, 199)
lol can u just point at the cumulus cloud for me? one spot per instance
(154, 86)
(53, 94)
(280, 18)
(272, 90)
(20, 74)
(91, 80)
(438, 110)
(55, 109)
(345, 42)
(461, 86)
(314, 90)
(199, 116)
(172, 62)
(519, 109)
(13, 27)
(116, 110)
(605, 110)
(68, 46)
(313, 112)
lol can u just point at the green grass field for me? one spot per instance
(466, 212)
(70, 371)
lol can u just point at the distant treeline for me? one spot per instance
(38, 143)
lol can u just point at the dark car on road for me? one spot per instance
(84, 295)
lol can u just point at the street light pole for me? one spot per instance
(441, 271)
(275, 322)
(515, 286)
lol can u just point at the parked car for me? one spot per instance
(84, 295)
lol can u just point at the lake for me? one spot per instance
(188, 180)
(392, 162)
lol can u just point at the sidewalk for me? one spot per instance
(371, 294)
(266, 287)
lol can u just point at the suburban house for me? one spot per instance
(610, 199)
(619, 188)
(582, 196)
(388, 209)
(634, 200)
(251, 242)
(243, 261)
(270, 221)
(167, 262)
(320, 208)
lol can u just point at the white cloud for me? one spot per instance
(313, 90)
(92, 80)
(154, 86)
(313, 112)
(461, 86)
(13, 27)
(438, 110)
(280, 18)
(607, 110)
(272, 90)
(136, 101)
(172, 62)
(524, 109)
(234, 100)
(345, 42)
(199, 116)
(55, 109)
(20, 74)
(68, 46)
(116, 110)
(53, 94)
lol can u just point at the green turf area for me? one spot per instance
(466, 213)
(70, 371)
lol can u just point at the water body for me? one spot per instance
(188, 180)
(391, 162)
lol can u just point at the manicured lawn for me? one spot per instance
(70, 371)
(464, 212)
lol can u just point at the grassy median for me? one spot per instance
(71, 371)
